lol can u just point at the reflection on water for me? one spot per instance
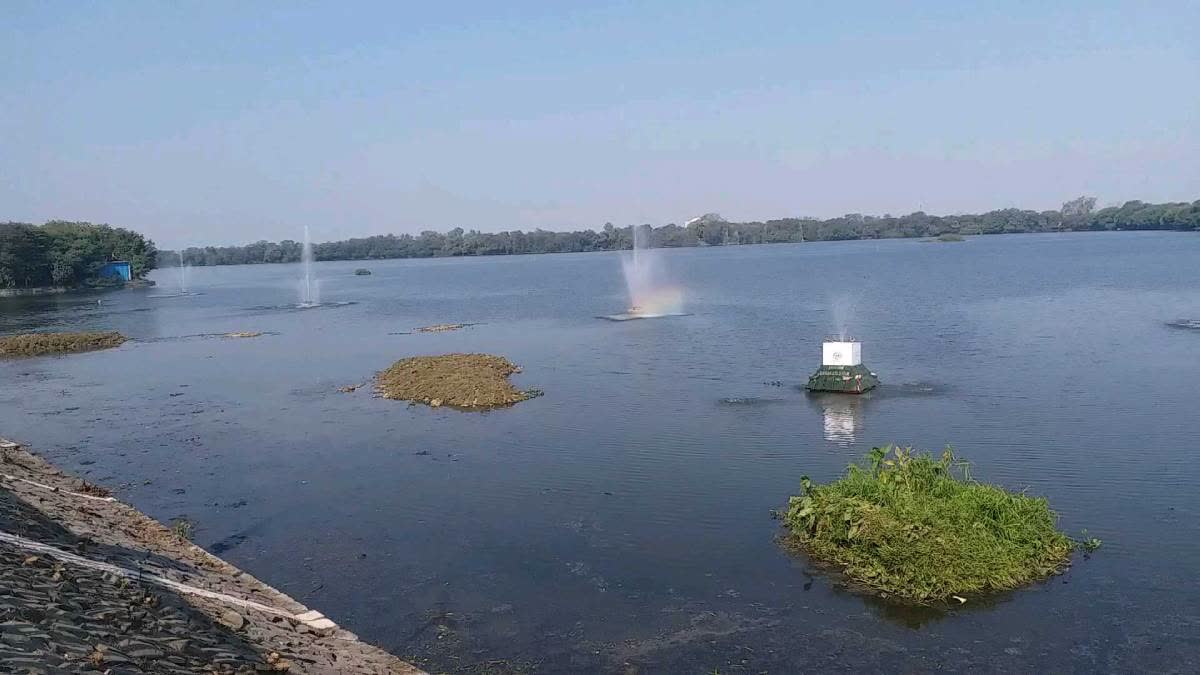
(842, 415)
(301, 307)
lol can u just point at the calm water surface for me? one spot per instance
(622, 521)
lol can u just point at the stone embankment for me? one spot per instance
(89, 584)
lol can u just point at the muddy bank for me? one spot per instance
(39, 344)
(88, 584)
(468, 381)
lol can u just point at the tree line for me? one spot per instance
(62, 253)
(709, 230)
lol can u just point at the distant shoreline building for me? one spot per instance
(117, 269)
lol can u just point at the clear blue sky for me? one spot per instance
(226, 122)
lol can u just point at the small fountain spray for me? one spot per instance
(309, 288)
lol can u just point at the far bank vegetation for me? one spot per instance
(69, 254)
(712, 229)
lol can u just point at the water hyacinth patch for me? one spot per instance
(921, 530)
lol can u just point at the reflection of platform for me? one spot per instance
(842, 416)
(629, 316)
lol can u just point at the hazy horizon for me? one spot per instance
(223, 123)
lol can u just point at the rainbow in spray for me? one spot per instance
(651, 294)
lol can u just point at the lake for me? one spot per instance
(622, 522)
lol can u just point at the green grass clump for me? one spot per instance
(919, 529)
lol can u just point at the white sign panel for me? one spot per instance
(841, 353)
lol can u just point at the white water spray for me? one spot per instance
(310, 294)
(649, 293)
(843, 308)
(183, 275)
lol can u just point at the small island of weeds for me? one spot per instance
(39, 344)
(442, 327)
(920, 530)
(467, 381)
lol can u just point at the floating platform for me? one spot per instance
(854, 379)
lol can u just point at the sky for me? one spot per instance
(227, 122)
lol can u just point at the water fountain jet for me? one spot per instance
(310, 290)
(183, 272)
(650, 294)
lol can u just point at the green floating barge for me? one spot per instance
(842, 370)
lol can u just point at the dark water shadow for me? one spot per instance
(749, 402)
(917, 389)
(906, 614)
(236, 539)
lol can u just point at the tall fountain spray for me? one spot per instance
(650, 295)
(309, 289)
(183, 287)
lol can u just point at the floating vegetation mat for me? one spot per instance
(467, 381)
(38, 344)
(920, 530)
(442, 327)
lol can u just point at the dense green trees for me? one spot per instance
(713, 230)
(62, 253)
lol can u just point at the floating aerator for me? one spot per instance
(842, 370)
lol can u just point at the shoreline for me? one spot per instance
(29, 292)
(54, 525)
(85, 288)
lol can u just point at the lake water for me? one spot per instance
(621, 523)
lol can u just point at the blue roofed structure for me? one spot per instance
(117, 269)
